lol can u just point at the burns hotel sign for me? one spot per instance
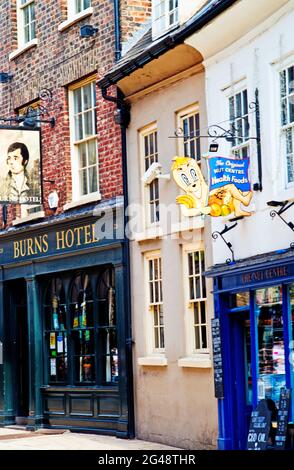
(54, 242)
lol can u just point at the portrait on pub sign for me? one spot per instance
(20, 166)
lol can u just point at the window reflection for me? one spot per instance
(271, 352)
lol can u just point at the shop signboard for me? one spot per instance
(217, 358)
(20, 166)
(283, 415)
(260, 425)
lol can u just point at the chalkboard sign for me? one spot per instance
(217, 359)
(260, 425)
(283, 415)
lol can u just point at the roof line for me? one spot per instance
(167, 43)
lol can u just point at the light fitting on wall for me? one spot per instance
(213, 147)
(87, 31)
(53, 199)
(5, 77)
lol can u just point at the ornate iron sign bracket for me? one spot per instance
(216, 132)
(227, 228)
(285, 205)
(40, 114)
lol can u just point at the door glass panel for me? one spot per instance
(271, 353)
(248, 366)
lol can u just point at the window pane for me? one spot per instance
(203, 312)
(196, 313)
(78, 127)
(78, 101)
(270, 343)
(197, 337)
(87, 92)
(83, 182)
(88, 123)
(196, 262)
(82, 155)
(93, 186)
(92, 154)
(203, 337)
(190, 262)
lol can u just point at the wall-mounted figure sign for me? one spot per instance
(229, 186)
(20, 172)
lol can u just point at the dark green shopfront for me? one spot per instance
(64, 329)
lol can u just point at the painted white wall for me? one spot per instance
(173, 404)
(255, 59)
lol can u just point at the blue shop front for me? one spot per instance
(254, 302)
(64, 326)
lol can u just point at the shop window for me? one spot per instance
(155, 301)
(287, 120)
(81, 330)
(165, 14)
(189, 123)
(239, 300)
(26, 21)
(239, 118)
(197, 300)
(150, 155)
(56, 331)
(271, 352)
(83, 138)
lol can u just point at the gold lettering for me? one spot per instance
(16, 249)
(94, 239)
(87, 229)
(22, 248)
(30, 246)
(60, 240)
(70, 243)
(45, 243)
(38, 245)
(77, 231)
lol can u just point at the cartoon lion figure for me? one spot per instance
(198, 200)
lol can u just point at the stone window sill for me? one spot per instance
(96, 197)
(151, 361)
(28, 218)
(74, 19)
(199, 362)
(23, 49)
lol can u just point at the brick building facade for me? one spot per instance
(42, 48)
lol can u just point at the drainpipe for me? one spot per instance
(117, 30)
(122, 117)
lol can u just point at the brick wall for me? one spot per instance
(60, 59)
(133, 14)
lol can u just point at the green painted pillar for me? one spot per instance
(35, 334)
(2, 402)
(122, 358)
(7, 378)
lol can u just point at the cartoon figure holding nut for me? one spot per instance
(198, 200)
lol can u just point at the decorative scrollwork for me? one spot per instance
(273, 214)
(215, 235)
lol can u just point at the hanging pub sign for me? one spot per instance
(229, 186)
(20, 166)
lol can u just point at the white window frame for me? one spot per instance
(76, 190)
(72, 7)
(157, 28)
(191, 349)
(150, 326)
(288, 126)
(146, 131)
(72, 15)
(186, 113)
(238, 148)
(21, 25)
